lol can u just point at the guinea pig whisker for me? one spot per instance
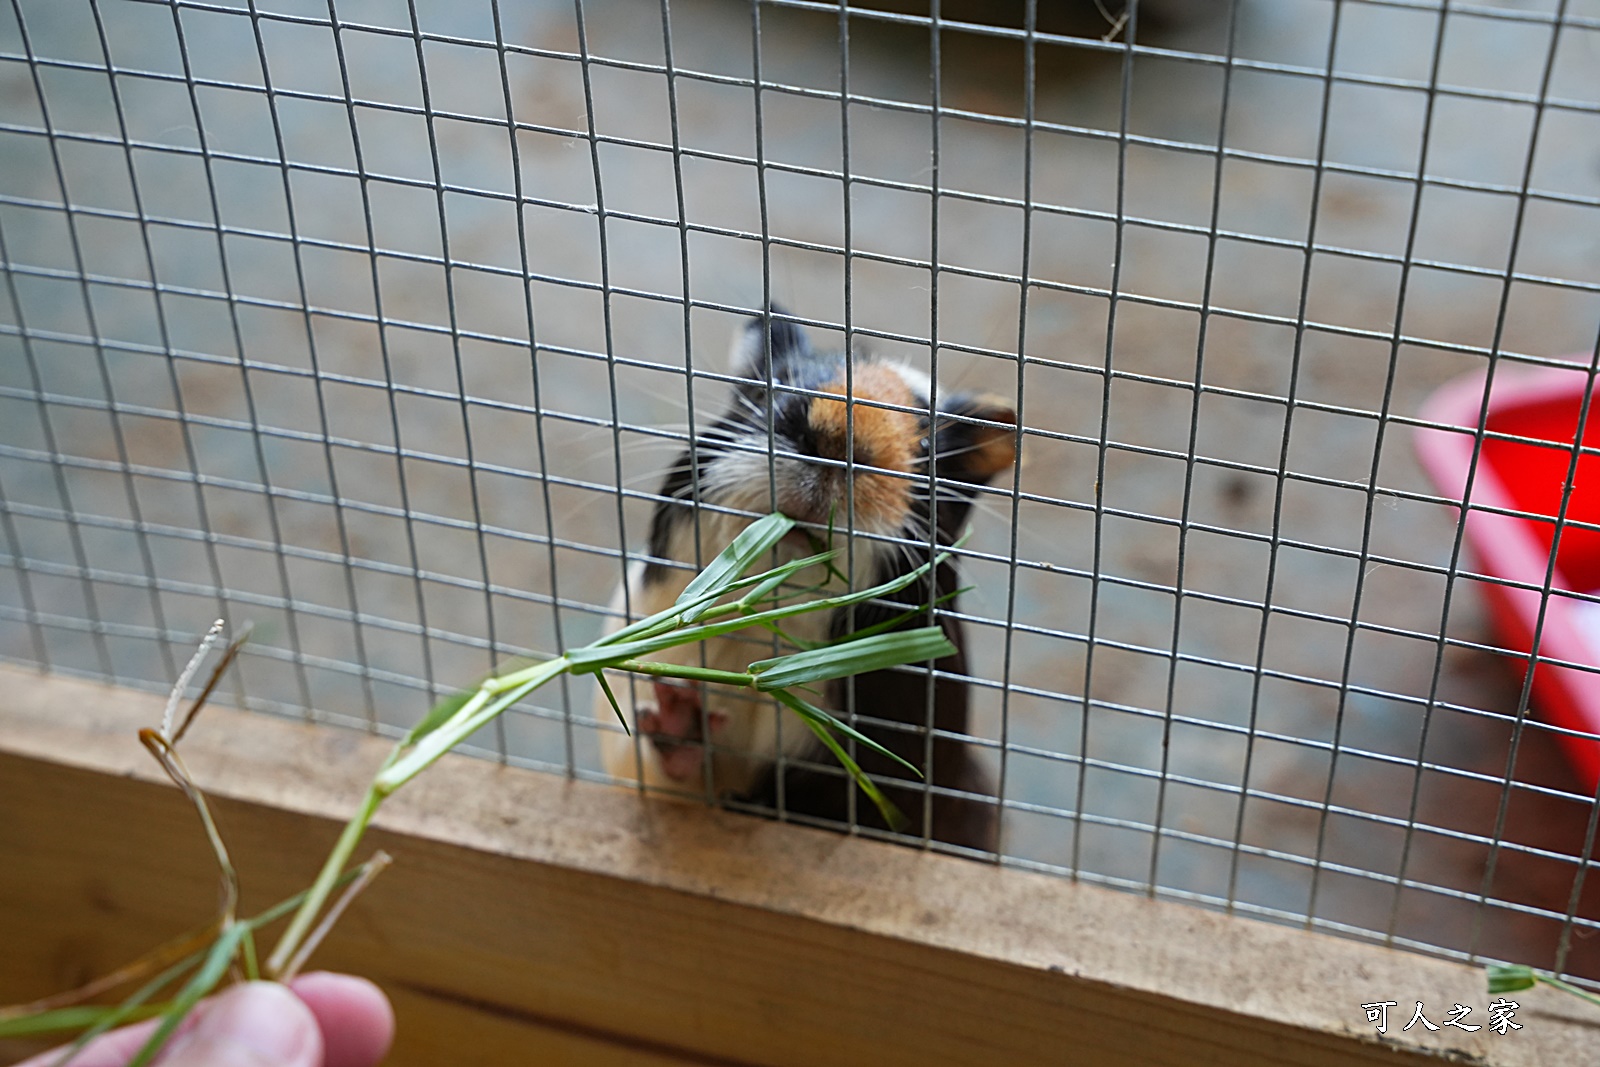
(652, 477)
(947, 453)
(758, 412)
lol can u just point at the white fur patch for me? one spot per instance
(753, 728)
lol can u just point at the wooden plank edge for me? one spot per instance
(1165, 982)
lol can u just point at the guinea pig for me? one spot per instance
(835, 441)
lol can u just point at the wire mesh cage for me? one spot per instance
(378, 323)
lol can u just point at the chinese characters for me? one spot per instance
(1500, 1014)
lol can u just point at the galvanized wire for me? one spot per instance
(413, 436)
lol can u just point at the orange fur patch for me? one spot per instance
(882, 438)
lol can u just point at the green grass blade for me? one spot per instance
(604, 653)
(729, 566)
(852, 657)
(1511, 978)
(407, 763)
(1568, 987)
(686, 672)
(904, 617)
(288, 904)
(100, 1018)
(771, 580)
(815, 717)
(611, 698)
(799, 643)
(870, 653)
(651, 635)
(199, 985)
(894, 585)
(689, 608)
(68, 1020)
(1508, 978)
(652, 625)
(594, 658)
(439, 714)
(891, 814)
(132, 1007)
(247, 954)
(508, 677)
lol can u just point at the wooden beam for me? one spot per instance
(531, 916)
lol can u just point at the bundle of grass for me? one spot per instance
(169, 981)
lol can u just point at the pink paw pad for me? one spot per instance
(679, 710)
(674, 727)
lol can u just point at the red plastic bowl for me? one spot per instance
(1540, 406)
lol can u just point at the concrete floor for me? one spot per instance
(1285, 433)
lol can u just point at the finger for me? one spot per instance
(256, 1024)
(355, 1017)
(109, 1050)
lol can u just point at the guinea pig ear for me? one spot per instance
(974, 452)
(772, 334)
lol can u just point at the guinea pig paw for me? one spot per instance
(680, 761)
(678, 716)
(675, 729)
(647, 720)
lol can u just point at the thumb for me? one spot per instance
(257, 1024)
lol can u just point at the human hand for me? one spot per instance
(318, 1020)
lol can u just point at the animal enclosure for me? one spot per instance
(378, 323)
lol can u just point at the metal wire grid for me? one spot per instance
(287, 340)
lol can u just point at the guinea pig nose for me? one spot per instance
(836, 446)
